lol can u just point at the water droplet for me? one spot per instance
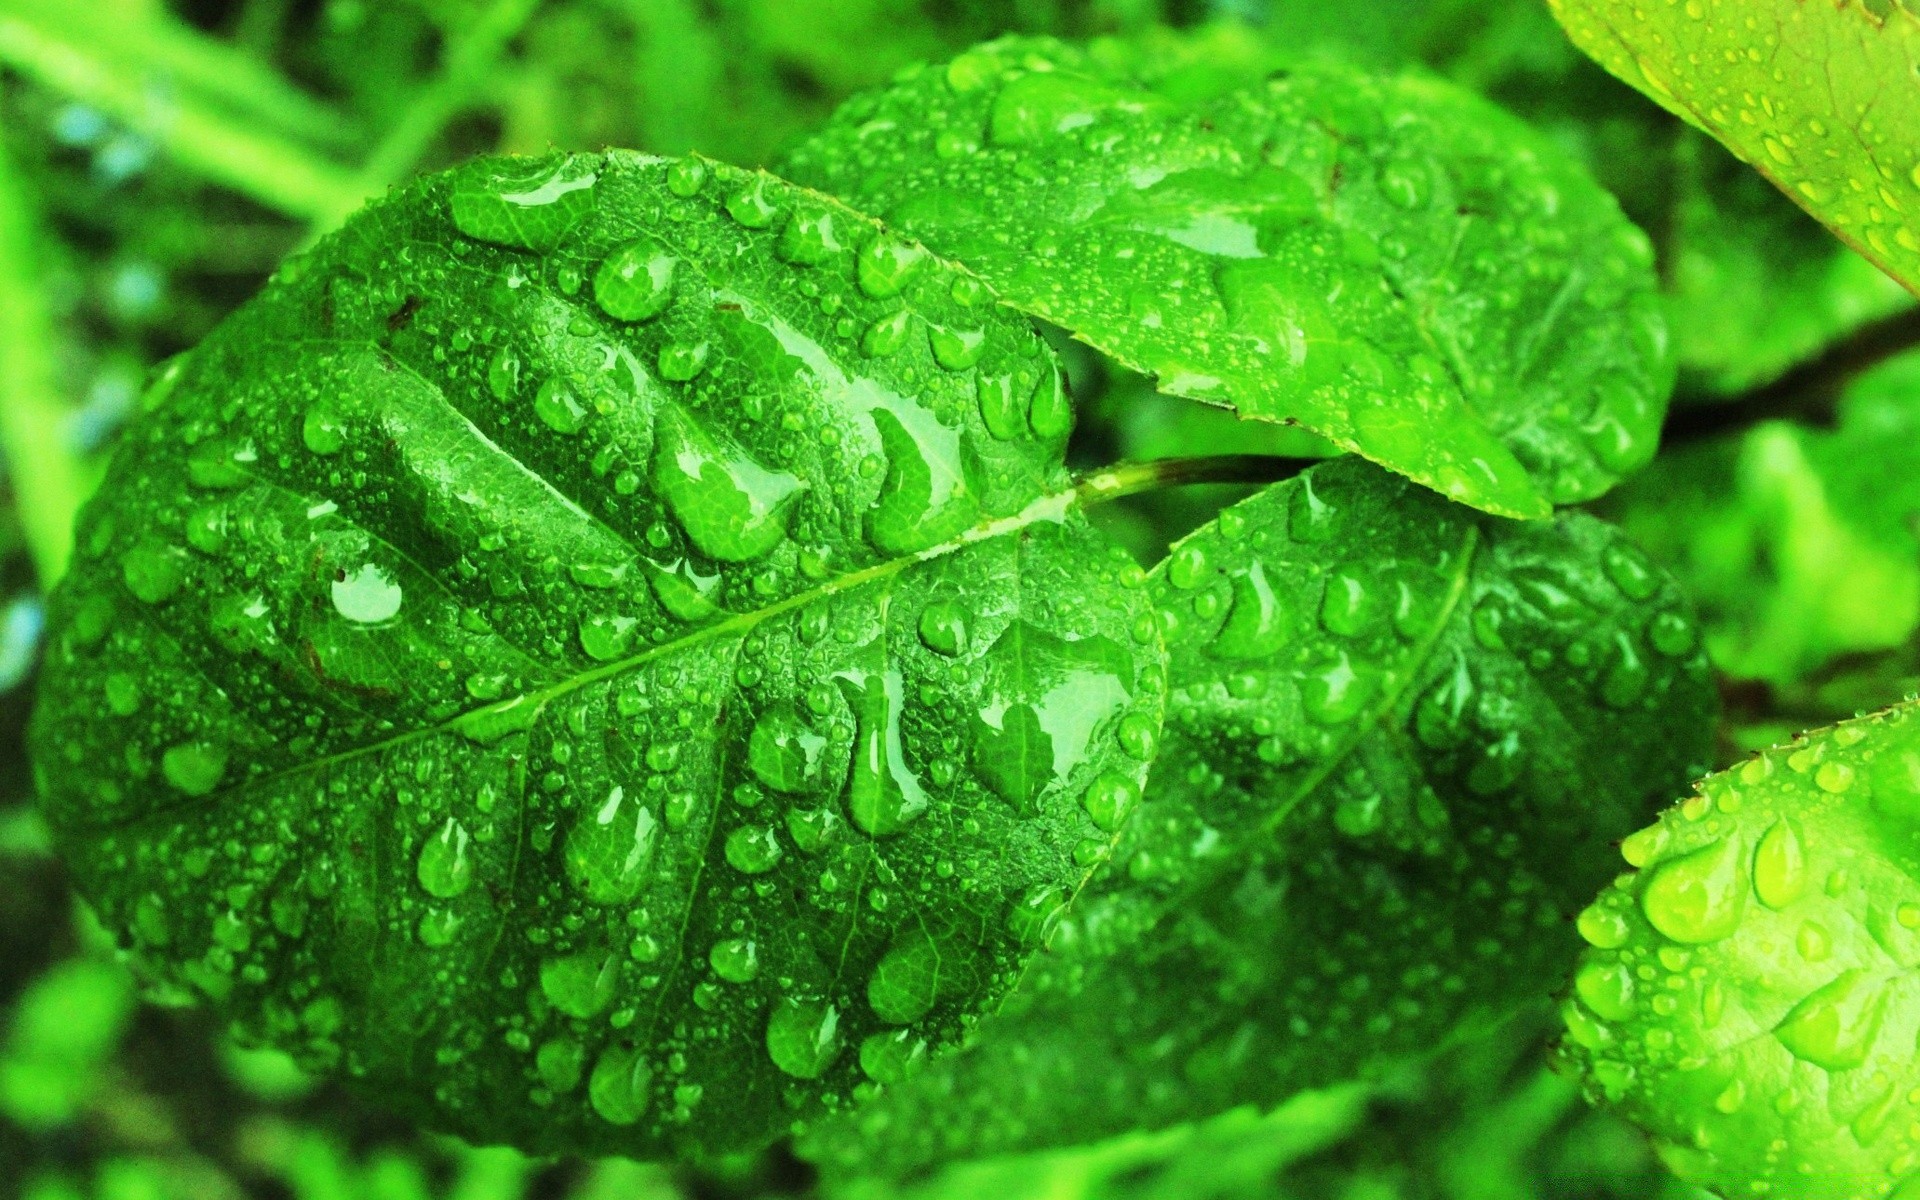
(1780, 874)
(784, 752)
(906, 983)
(1406, 184)
(1046, 697)
(956, 349)
(618, 1088)
(883, 794)
(1602, 927)
(528, 206)
(559, 408)
(1139, 736)
(1629, 570)
(560, 1062)
(1187, 567)
(1049, 408)
(606, 637)
(754, 850)
(686, 177)
(196, 768)
(1606, 988)
(682, 591)
(803, 1036)
(1673, 633)
(1835, 777)
(887, 265)
(580, 985)
(1698, 897)
(1110, 800)
(1835, 1026)
(154, 571)
(323, 430)
(733, 508)
(609, 850)
(445, 869)
(753, 205)
(1349, 606)
(367, 595)
(1001, 408)
(682, 361)
(636, 282)
(736, 960)
(809, 239)
(1044, 103)
(943, 627)
(926, 499)
(892, 1056)
(1336, 693)
(1256, 625)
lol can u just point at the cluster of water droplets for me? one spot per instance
(1748, 990)
(1392, 262)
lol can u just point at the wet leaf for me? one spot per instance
(1749, 994)
(1388, 261)
(1823, 99)
(1399, 736)
(497, 667)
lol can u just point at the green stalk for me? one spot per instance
(280, 174)
(1131, 479)
(49, 480)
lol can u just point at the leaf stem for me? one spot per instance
(1131, 479)
(49, 480)
(1809, 392)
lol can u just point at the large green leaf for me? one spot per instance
(1390, 262)
(1800, 544)
(1750, 994)
(573, 660)
(1400, 734)
(1823, 99)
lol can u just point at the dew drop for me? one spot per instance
(445, 868)
(367, 595)
(635, 283)
(618, 1088)
(803, 1036)
(1698, 897)
(609, 850)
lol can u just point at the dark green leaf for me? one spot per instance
(1400, 735)
(1389, 261)
(533, 661)
(1750, 994)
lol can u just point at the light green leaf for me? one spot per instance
(1823, 99)
(1750, 994)
(1801, 544)
(1390, 262)
(1399, 737)
(534, 661)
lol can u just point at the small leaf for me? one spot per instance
(1391, 262)
(1400, 734)
(1820, 98)
(1760, 1003)
(553, 741)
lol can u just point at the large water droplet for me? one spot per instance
(1780, 874)
(784, 752)
(619, 1085)
(445, 868)
(681, 590)
(883, 794)
(887, 265)
(943, 627)
(1046, 698)
(809, 239)
(580, 985)
(154, 571)
(196, 768)
(367, 595)
(1044, 103)
(803, 1036)
(1698, 897)
(926, 499)
(1835, 1026)
(559, 407)
(609, 850)
(526, 206)
(736, 960)
(906, 982)
(1256, 624)
(732, 507)
(636, 282)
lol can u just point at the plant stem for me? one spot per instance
(49, 481)
(281, 174)
(1808, 392)
(1131, 479)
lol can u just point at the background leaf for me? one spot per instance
(1287, 250)
(535, 661)
(1823, 99)
(1399, 737)
(1749, 992)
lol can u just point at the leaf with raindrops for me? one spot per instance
(1749, 993)
(582, 659)
(1399, 737)
(1387, 260)
(1823, 99)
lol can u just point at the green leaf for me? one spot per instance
(1820, 98)
(1399, 736)
(1390, 262)
(534, 661)
(1801, 544)
(1750, 996)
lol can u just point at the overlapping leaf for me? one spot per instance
(1400, 734)
(1389, 261)
(1750, 993)
(581, 657)
(1823, 99)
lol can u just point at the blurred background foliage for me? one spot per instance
(158, 158)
